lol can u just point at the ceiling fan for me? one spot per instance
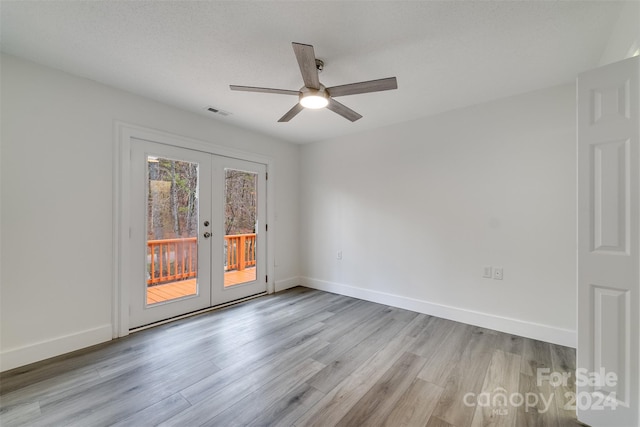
(314, 94)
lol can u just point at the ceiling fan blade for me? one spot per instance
(291, 113)
(264, 90)
(364, 87)
(307, 61)
(343, 110)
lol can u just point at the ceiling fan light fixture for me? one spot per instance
(314, 102)
(313, 94)
(314, 98)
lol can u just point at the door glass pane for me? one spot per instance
(241, 201)
(172, 229)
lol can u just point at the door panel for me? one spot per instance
(170, 201)
(609, 243)
(240, 243)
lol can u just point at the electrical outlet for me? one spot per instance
(497, 273)
(487, 272)
(339, 255)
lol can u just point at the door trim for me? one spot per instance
(123, 134)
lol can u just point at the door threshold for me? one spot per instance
(195, 313)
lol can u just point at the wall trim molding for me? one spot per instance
(283, 284)
(20, 356)
(522, 328)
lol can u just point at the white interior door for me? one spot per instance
(196, 235)
(608, 246)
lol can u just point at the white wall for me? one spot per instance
(57, 209)
(418, 208)
(625, 37)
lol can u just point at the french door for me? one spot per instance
(198, 231)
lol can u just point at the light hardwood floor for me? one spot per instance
(297, 358)
(182, 288)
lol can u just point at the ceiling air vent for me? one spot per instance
(217, 111)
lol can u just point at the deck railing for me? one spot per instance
(240, 251)
(170, 260)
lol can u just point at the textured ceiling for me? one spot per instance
(445, 54)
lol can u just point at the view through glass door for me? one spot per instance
(196, 231)
(172, 229)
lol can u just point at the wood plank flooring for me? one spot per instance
(173, 290)
(183, 288)
(297, 358)
(235, 277)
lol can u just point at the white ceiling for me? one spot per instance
(445, 54)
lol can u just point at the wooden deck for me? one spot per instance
(182, 288)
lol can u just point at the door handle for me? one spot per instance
(207, 235)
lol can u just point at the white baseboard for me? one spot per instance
(20, 356)
(291, 282)
(522, 328)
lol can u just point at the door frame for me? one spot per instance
(124, 133)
